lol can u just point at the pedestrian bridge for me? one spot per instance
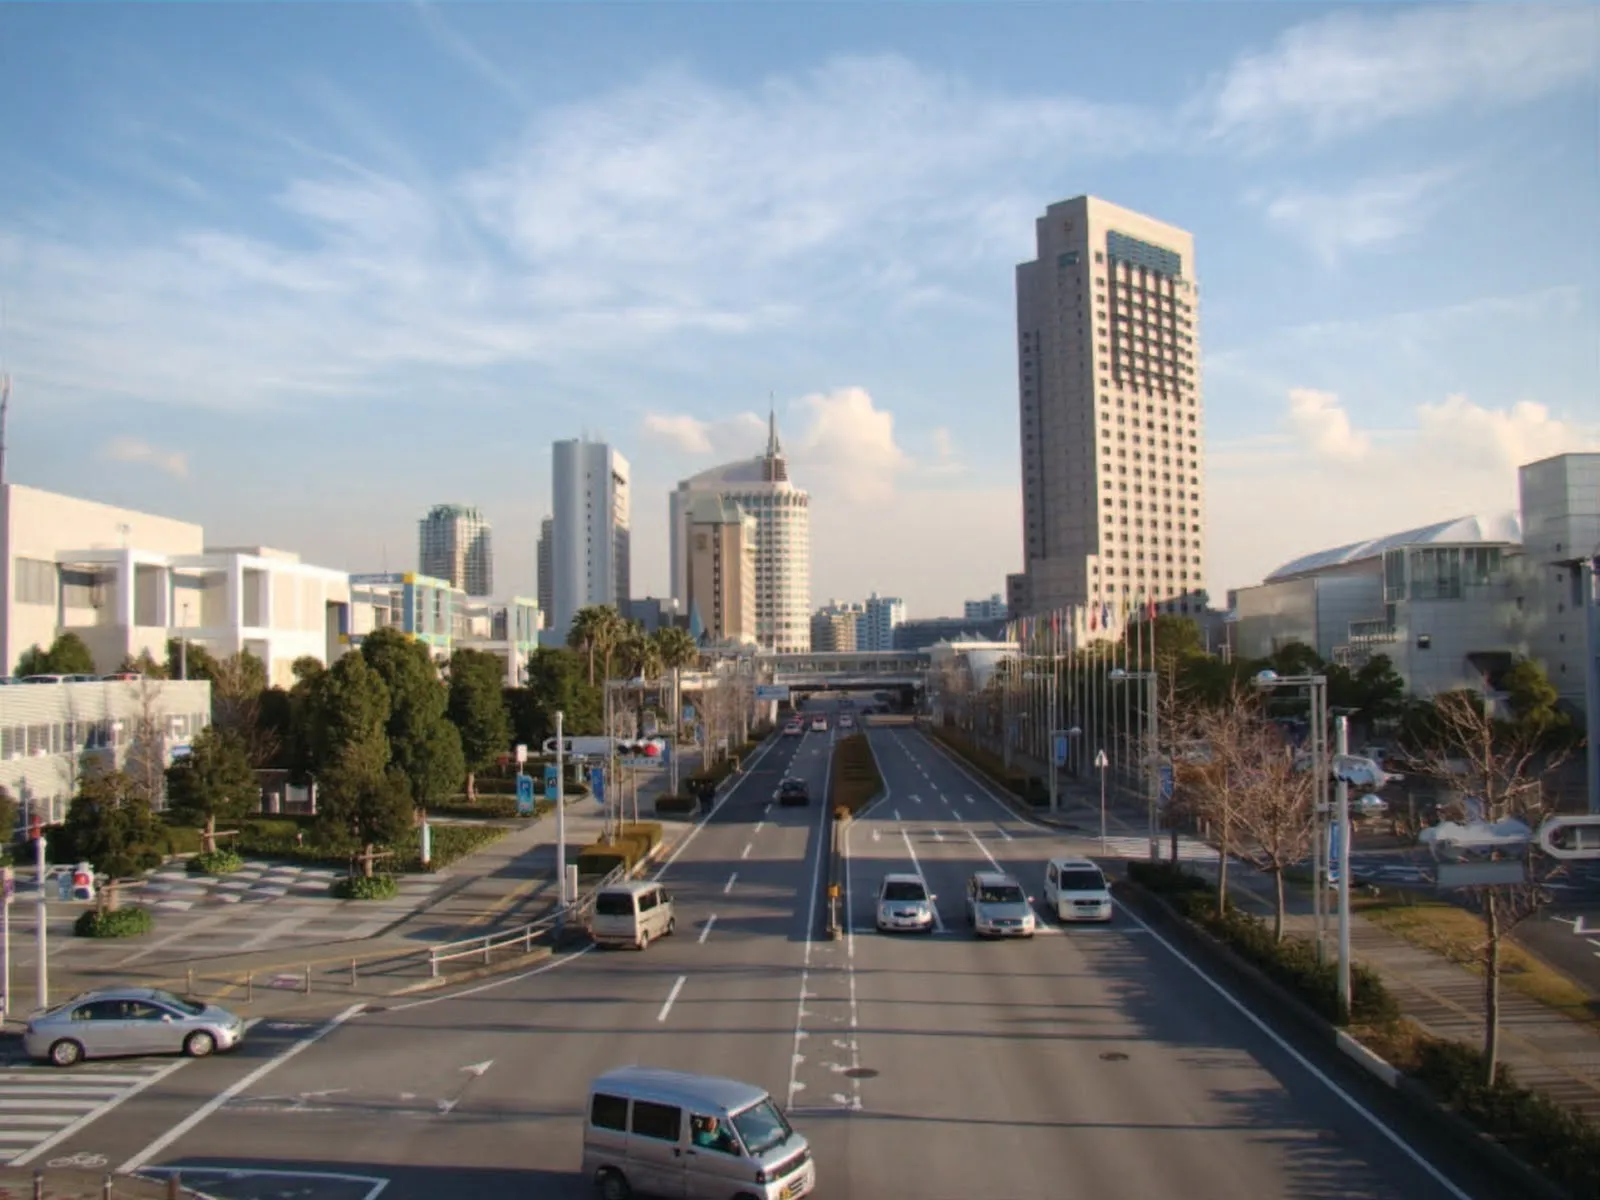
(846, 668)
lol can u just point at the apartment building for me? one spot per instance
(721, 578)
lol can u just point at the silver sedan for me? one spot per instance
(114, 1022)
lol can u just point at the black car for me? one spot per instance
(794, 791)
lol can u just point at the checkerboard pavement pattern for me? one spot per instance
(172, 889)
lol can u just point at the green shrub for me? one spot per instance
(486, 806)
(124, 922)
(361, 887)
(670, 803)
(601, 859)
(450, 843)
(177, 840)
(218, 862)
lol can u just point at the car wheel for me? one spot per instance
(199, 1044)
(644, 941)
(672, 924)
(612, 1185)
(66, 1053)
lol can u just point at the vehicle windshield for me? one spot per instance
(761, 1127)
(794, 785)
(613, 904)
(187, 1007)
(904, 889)
(1005, 893)
(1082, 881)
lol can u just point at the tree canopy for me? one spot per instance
(213, 782)
(68, 655)
(556, 680)
(111, 824)
(423, 743)
(477, 708)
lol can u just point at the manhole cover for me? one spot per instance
(1113, 1056)
(861, 1073)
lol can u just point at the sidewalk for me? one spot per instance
(501, 887)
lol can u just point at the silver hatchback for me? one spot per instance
(998, 907)
(115, 1022)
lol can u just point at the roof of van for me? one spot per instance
(631, 886)
(680, 1087)
(1076, 864)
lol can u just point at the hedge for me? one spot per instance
(671, 803)
(273, 837)
(1029, 788)
(119, 923)
(218, 862)
(489, 808)
(1292, 963)
(856, 780)
(361, 887)
(602, 858)
(650, 831)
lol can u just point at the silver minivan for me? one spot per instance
(652, 1132)
(632, 914)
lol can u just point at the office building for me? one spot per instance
(880, 617)
(986, 610)
(833, 630)
(547, 576)
(1111, 415)
(1560, 500)
(651, 613)
(454, 545)
(431, 611)
(126, 582)
(589, 547)
(508, 629)
(722, 570)
(761, 487)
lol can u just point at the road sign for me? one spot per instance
(688, 712)
(522, 754)
(597, 784)
(524, 795)
(1167, 782)
(1333, 854)
(181, 751)
(1100, 760)
(772, 691)
(1061, 749)
(552, 781)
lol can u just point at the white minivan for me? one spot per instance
(669, 1133)
(631, 914)
(1076, 890)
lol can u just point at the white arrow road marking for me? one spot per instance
(671, 996)
(728, 887)
(475, 1068)
(706, 931)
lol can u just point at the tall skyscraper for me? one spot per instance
(454, 546)
(722, 569)
(1108, 354)
(762, 488)
(547, 571)
(589, 549)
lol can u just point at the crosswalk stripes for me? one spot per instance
(41, 1106)
(1122, 846)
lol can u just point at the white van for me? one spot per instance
(631, 914)
(1076, 890)
(669, 1133)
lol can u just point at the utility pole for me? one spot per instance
(41, 986)
(561, 811)
(1341, 747)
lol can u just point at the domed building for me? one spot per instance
(761, 487)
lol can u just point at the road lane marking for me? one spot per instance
(553, 965)
(1272, 1035)
(239, 1086)
(916, 799)
(796, 1058)
(937, 836)
(95, 1112)
(978, 842)
(759, 826)
(917, 866)
(715, 808)
(706, 931)
(748, 846)
(1001, 829)
(970, 800)
(728, 887)
(672, 995)
(897, 815)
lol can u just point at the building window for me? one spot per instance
(36, 581)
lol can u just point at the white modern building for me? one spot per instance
(454, 543)
(47, 728)
(761, 487)
(1560, 499)
(880, 617)
(992, 609)
(508, 629)
(589, 547)
(1111, 415)
(126, 582)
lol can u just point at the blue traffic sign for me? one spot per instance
(597, 784)
(552, 782)
(1061, 749)
(524, 795)
(1333, 854)
(1167, 782)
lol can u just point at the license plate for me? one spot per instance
(792, 1190)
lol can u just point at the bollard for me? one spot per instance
(486, 950)
(307, 987)
(38, 1184)
(527, 939)
(175, 1186)
(105, 1187)
(249, 986)
(352, 972)
(189, 980)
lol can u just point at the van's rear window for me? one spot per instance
(614, 904)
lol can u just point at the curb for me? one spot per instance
(1489, 1156)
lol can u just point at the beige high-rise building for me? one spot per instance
(1112, 421)
(721, 569)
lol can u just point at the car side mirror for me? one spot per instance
(1031, 900)
(167, 1018)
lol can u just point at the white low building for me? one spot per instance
(126, 582)
(47, 728)
(507, 629)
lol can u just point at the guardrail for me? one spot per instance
(523, 936)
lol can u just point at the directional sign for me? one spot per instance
(597, 784)
(1333, 854)
(1166, 782)
(1100, 760)
(1061, 749)
(552, 781)
(524, 795)
(688, 712)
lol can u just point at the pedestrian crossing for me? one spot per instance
(42, 1106)
(1189, 850)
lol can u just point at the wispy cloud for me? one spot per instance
(132, 450)
(1346, 73)
(1324, 426)
(739, 436)
(1364, 215)
(460, 47)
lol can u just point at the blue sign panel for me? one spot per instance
(1333, 854)
(597, 784)
(1166, 782)
(1061, 750)
(688, 712)
(524, 795)
(552, 781)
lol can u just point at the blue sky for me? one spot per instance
(299, 271)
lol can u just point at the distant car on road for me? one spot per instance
(846, 721)
(998, 907)
(904, 903)
(819, 724)
(794, 791)
(794, 728)
(118, 1022)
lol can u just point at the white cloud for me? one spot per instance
(1370, 213)
(132, 450)
(848, 443)
(1273, 499)
(742, 435)
(1346, 73)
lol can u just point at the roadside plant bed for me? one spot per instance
(118, 923)
(218, 862)
(856, 779)
(276, 839)
(1291, 963)
(360, 887)
(1029, 788)
(673, 805)
(601, 858)
(1556, 1141)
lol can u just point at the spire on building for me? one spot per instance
(776, 469)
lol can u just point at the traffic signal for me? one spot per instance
(639, 747)
(83, 882)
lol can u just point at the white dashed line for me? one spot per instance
(917, 866)
(748, 846)
(672, 996)
(728, 887)
(706, 931)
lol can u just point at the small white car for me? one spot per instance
(794, 728)
(819, 724)
(1075, 889)
(846, 721)
(904, 904)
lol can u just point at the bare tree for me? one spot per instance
(1494, 771)
(146, 736)
(1209, 789)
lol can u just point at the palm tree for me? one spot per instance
(592, 632)
(676, 647)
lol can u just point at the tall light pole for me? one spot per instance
(1153, 754)
(1341, 748)
(1586, 572)
(1320, 773)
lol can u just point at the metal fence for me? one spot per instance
(523, 937)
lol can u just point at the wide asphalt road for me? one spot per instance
(1091, 1062)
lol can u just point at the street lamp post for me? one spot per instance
(1152, 764)
(1320, 772)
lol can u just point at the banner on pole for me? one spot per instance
(552, 781)
(524, 795)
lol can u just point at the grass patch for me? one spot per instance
(856, 780)
(218, 862)
(360, 887)
(1458, 935)
(120, 923)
